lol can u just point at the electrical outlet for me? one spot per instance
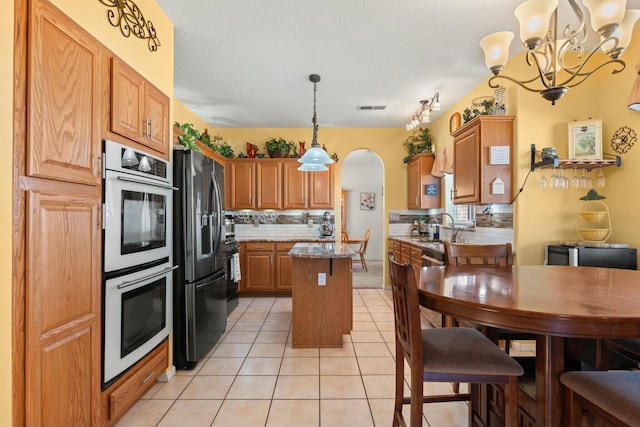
(322, 279)
(310, 223)
(395, 216)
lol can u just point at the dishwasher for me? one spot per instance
(432, 257)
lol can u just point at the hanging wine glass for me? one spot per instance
(589, 180)
(601, 181)
(575, 180)
(542, 183)
(554, 179)
(583, 180)
(565, 180)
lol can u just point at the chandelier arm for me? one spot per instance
(568, 32)
(521, 84)
(578, 72)
(585, 76)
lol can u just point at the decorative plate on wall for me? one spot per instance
(454, 122)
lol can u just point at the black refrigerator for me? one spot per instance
(200, 292)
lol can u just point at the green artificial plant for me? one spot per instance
(418, 142)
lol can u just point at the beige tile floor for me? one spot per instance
(253, 377)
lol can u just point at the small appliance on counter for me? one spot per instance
(326, 228)
(592, 254)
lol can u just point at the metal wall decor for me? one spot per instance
(623, 139)
(128, 16)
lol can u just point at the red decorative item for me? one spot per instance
(302, 149)
(251, 150)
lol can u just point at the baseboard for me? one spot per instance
(167, 375)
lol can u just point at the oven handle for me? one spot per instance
(128, 283)
(433, 260)
(137, 181)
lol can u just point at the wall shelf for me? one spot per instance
(554, 162)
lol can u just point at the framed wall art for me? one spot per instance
(585, 140)
(367, 201)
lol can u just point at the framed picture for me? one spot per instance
(585, 140)
(367, 201)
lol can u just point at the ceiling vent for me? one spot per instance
(371, 107)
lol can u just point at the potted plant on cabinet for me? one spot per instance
(278, 147)
(418, 142)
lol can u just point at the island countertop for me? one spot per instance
(321, 250)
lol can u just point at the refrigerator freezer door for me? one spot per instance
(206, 319)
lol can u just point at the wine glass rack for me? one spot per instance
(588, 164)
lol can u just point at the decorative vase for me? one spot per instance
(278, 154)
(302, 149)
(500, 105)
(251, 150)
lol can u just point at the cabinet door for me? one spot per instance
(241, 177)
(466, 177)
(285, 278)
(63, 334)
(413, 185)
(321, 189)
(156, 110)
(296, 186)
(127, 102)
(260, 271)
(269, 185)
(66, 77)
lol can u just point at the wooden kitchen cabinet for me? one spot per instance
(269, 184)
(260, 266)
(67, 72)
(307, 190)
(283, 267)
(251, 184)
(266, 268)
(56, 331)
(240, 184)
(474, 175)
(122, 394)
(418, 178)
(139, 111)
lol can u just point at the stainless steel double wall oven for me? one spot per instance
(137, 256)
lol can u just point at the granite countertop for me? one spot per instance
(422, 242)
(321, 250)
(283, 239)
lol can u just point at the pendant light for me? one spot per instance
(315, 158)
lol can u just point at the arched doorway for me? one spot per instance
(363, 180)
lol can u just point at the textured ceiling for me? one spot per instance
(246, 63)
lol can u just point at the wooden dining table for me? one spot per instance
(553, 302)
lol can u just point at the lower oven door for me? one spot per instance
(137, 317)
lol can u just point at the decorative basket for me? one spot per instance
(594, 234)
(593, 216)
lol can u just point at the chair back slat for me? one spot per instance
(500, 254)
(406, 311)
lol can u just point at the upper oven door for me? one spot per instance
(137, 222)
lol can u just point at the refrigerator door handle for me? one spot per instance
(217, 213)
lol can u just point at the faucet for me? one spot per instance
(454, 230)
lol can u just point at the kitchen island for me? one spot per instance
(322, 299)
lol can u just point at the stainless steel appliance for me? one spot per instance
(137, 256)
(138, 316)
(592, 255)
(233, 272)
(200, 291)
(137, 208)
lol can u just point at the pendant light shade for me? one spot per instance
(315, 158)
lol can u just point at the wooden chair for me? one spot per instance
(489, 255)
(362, 250)
(629, 348)
(443, 355)
(609, 398)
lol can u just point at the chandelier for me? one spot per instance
(314, 159)
(424, 111)
(560, 57)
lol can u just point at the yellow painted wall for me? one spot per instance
(549, 216)
(6, 185)
(182, 114)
